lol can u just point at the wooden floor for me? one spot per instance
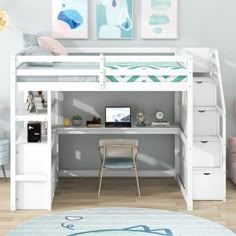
(163, 194)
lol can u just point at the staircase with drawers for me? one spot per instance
(209, 128)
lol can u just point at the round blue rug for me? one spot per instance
(120, 222)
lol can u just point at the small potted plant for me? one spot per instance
(76, 120)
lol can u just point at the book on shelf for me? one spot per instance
(160, 123)
(94, 125)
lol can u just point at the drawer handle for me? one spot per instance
(199, 82)
(204, 141)
(207, 173)
(201, 111)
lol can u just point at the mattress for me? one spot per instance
(110, 78)
(145, 66)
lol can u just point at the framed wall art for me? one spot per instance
(114, 19)
(159, 19)
(70, 19)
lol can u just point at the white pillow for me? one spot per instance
(52, 45)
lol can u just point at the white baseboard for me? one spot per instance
(94, 173)
(107, 173)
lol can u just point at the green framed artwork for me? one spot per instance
(159, 19)
(114, 19)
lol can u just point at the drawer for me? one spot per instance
(31, 195)
(208, 186)
(4, 148)
(204, 93)
(32, 160)
(206, 154)
(205, 123)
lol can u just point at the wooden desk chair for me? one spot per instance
(118, 154)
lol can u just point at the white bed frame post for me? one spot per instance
(189, 150)
(101, 77)
(177, 137)
(13, 134)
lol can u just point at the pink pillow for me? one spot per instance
(52, 45)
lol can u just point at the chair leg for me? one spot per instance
(100, 182)
(4, 173)
(136, 174)
(99, 176)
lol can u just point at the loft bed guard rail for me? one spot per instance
(92, 71)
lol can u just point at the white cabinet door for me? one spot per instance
(32, 159)
(30, 195)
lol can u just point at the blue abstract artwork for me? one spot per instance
(114, 19)
(70, 19)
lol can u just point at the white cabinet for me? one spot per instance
(206, 154)
(31, 169)
(32, 174)
(208, 185)
(32, 195)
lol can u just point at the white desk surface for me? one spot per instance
(173, 129)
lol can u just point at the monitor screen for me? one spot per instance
(118, 115)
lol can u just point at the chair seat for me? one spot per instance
(119, 163)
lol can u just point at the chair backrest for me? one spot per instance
(119, 147)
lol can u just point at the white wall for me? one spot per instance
(202, 23)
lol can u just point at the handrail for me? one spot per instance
(108, 58)
(119, 50)
(22, 59)
(219, 77)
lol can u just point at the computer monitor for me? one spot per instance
(118, 116)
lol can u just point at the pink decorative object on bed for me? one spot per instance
(52, 45)
(232, 158)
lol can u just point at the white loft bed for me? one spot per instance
(97, 69)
